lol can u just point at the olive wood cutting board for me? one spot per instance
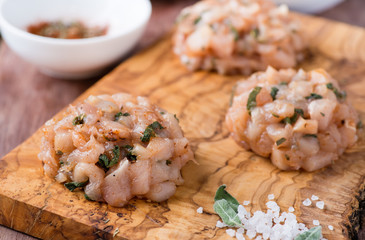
(37, 205)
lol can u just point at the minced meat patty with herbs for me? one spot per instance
(235, 36)
(116, 147)
(299, 119)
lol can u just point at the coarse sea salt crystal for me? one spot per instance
(330, 227)
(315, 222)
(271, 196)
(231, 232)
(307, 202)
(320, 204)
(245, 203)
(291, 209)
(314, 198)
(251, 233)
(199, 210)
(220, 224)
(239, 236)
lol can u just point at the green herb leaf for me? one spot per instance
(323, 114)
(115, 159)
(120, 114)
(339, 95)
(275, 115)
(151, 131)
(223, 194)
(105, 162)
(359, 124)
(274, 91)
(79, 119)
(235, 33)
(197, 20)
(73, 185)
(168, 162)
(61, 163)
(283, 83)
(255, 33)
(312, 234)
(176, 118)
(280, 141)
(162, 113)
(251, 102)
(291, 120)
(59, 152)
(313, 96)
(88, 198)
(130, 156)
(310, 135)
(226, 212)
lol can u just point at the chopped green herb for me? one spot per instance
(359, 124)
(274, 91)
(287, 157)
(73, 185)
(110, 139)
(61, 163)
(310, 135)
(87, 197)
(235, 33)
(280, 141)
(255, 33)
(313, 96)
(105, 162)
(116, 232)
(59, 152)
(150, 131)
(323, 114)
(286, 120)
(283, 83)
(291, 120)
(251, 102)
(120, 114)
(275, 115)
(226, 207)
(176, 118)
(130, 156)
(197, 20)
(79, 119)
(339, 95)
(233, 92)
(168, 162)
(314, 233)
(162, 113)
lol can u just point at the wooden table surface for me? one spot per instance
(28, 98)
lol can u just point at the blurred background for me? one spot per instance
(28, 98)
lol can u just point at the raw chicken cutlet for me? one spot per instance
(236, 36)
(116, 147)
(300, 119)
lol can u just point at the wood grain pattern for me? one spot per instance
(36, 205)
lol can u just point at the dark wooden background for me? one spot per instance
(28, 98)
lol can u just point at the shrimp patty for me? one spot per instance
(236, 36)
(300, 119)
(116, 147)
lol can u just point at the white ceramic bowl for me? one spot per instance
(309, 6)
(74, 58)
